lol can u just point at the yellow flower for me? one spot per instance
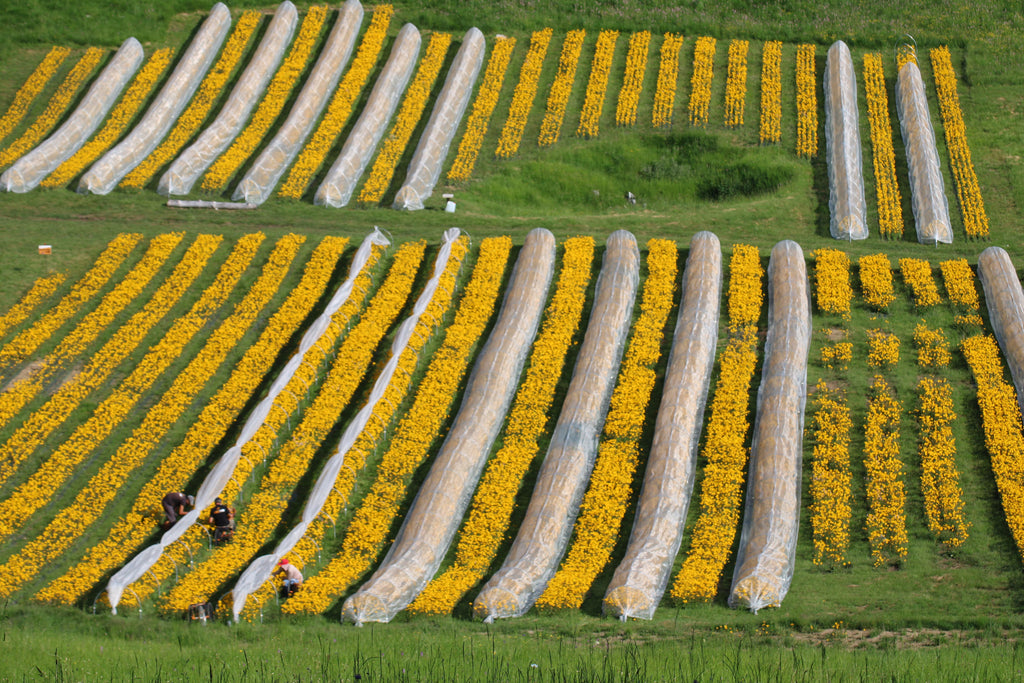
(806, 102)
(28, 92)
(597, 84)
(771, 92)
(523, 95)
(736, 83)
(633, 79)
(668, 79)
(700, 81)
(887, 191)
(561, 88)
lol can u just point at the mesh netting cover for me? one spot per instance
(336, 189)
(191, 163)
(846, 202)
(425, 167)
(165, 109)
(29, 170)
(771, 516)
(927, 190)
(1005, 302)
(436, 513)
(562, 480)
(643, 574)
(257, 184)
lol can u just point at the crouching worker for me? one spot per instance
(292, 577)
(174, 504)
(222, 519)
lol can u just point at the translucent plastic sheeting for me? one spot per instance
(771, 516)
(1005, 302)
(541, 540)
(165, 109)
(29, 170)
(927, 190)
(337, 188)
(425, 167)
(640, 579)
(274, 160)
(221, 473)
(258, 571)
(212, 142)
(436, 513)
(846, 202)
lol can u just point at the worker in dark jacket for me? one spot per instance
(174, 504)
(222, 519)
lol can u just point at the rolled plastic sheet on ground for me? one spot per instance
(106, 173)
(436, 513)
(1005, 302)
(28, 171)
(257, 184)
(927, 189)
(212, 142)
(846, 203)
(221, 473)
(340, 182)
(562, 480)
(425, 167)
(258, 571)
(771, 516)
(643, 574)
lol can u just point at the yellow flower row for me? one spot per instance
(806, 102)
(209, 429)
(633, 79)
(887, 520)
(971, 205)
(917, 273)
(876, 281)
(56, 107)
(771, 92)
(736, 83)
(413, 104)
(34, 85)
(276, 96)
(883, 348)
(195, 114)
(887, 190)
(963, 295)
(340, 107)
(830, 476)
(724, 451)
(932, 347)
(523, 95)
(700, 81)
(483, 107)
(832, 281)
(597, 84)
(611, 483)
(940, 480)
(119, 119)
(561, 88)
(41, 290)
(491, 509)
(837, 356)
(668, 80)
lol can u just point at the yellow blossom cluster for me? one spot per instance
(963, 295)
(561, 88)
(806, 102)
(932, 347)
(410, 443)
(876, 281)
(340, 107)
(830, 476)
(30, 90)
(118, 121)
(905, 53)
(883, 348)
(40, 291)
(523, 95)
(887, 189)
(56, 107)
(771, 92)
(413, 104)
(276, 96)
(736, 83)
(1001, 421)
(700, 81)
(633, 78)
(597, 84)
(209, 429)
(490, 511)
(887, 519)
(483, 107)
(725, 452)
(195, 114)
(940, 480)
(611, 483)
(832, 281)
(917, 273)
(668, 80)
(837, 356)
(967, 190)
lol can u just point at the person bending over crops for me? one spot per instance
(174, 504)
(292, 577)
(222, 519)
